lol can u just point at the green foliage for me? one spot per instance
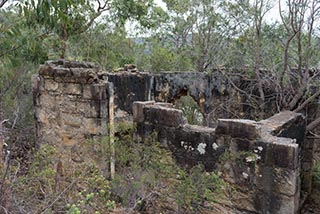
(190, 110)
(197, 186)
(82, 189)
(73, 210)
(148, 167)
(241, 158)
(108, 49)
(145, 173)
(161, 59)
(19, 43)
(316, 173)
(141, 167)
(36, 187)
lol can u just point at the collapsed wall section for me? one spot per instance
(73, 100)
(217, 95)
(71, 106)
(254, 156)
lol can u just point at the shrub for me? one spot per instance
(147, 179)
(316, 174)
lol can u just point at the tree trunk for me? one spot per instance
(1, 135)
(258, 57)
(64, 39)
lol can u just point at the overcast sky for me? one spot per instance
(272, 16)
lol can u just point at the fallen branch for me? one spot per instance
(59, 196)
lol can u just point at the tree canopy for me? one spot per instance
(186, 35)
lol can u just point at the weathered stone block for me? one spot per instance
(93, 126)
(46, 117)
(95, 91)
(66, 106)
(49, 135)
(247, 129)
(73, 120)
(275, 203)
(46, 70)
(70, 72)
(84, 75)
(144, 130)
(71, 88)
(51, 85)
(87, 109)
(168, 105)
(164, 116)
(282, 155)
(47, 101)
(277, 180)
(137, 110)
(68, 139)
(286, 124)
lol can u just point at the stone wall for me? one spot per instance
(259, 156)
(71, 106)
(214, 93)
(74, 103)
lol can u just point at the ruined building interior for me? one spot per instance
(76, 101)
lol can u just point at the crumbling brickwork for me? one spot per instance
(266, 158)
(269, 170)
(214, 93)
(71, 105)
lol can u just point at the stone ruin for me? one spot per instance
(269, 160)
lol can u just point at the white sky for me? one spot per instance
(161, 3)
(272, 16)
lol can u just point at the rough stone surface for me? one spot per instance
(239, 128)
(137, 110)
(213, 92)
(71, 105)
(264, 159)
(164, 116)
(249, 153)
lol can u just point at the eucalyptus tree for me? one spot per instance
(66, 18)
(19, 48)
(197, 29)
(3, 2)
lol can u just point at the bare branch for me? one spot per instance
(3, 2)
(101, 8)
(59, 196)
(307, 101)
(313, 124)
